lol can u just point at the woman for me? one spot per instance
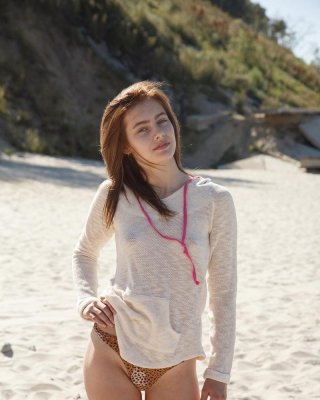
(176, 236)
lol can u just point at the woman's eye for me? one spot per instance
(145, 129)
(140, 130)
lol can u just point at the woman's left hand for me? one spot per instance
(215, 389)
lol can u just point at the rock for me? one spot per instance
(203, 122)
(286, 145)
(7, 350)
(311, 130)
(226, 141)
(206, 106)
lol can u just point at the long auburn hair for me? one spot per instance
(123, 168)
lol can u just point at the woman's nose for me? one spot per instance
(158, 135)
(158, 132)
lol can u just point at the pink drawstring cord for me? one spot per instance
(182, 241)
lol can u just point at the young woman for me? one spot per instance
(176, 237)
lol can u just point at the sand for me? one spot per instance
(43, 204)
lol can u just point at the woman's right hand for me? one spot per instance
(101, 312)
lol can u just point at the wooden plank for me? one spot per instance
(310, 162)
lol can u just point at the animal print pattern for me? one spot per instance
(142, 378)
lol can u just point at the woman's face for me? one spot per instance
(146, 126)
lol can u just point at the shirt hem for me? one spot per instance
(200, 356)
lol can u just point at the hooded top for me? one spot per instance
(164, 270)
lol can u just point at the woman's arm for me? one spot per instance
(222, 286)
(93, 237)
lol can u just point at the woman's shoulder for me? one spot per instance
(105, 184)
(206, 186)
(103, 187)
(101, 191)
(217, 197)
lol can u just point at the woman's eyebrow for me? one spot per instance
(143, 122)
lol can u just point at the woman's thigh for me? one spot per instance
(104, 373)
(179, 383)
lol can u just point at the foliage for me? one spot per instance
(217, 45)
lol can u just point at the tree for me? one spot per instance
(316, 58)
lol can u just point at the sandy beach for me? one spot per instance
(43, 204)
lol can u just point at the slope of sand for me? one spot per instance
(44, 201)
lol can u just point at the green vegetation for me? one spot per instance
(189, 44)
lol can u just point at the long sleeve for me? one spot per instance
(93, 237)
(222, 286)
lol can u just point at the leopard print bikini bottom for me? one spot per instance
(142, 378)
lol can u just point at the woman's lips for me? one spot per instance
(164, 146)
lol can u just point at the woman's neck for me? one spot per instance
(166, 185)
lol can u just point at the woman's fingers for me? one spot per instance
(107, 309)
(99, 312)
(105, 301)
(103, 312)
(100, 318)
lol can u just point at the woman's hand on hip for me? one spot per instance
(101, 312)
(214, 390)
